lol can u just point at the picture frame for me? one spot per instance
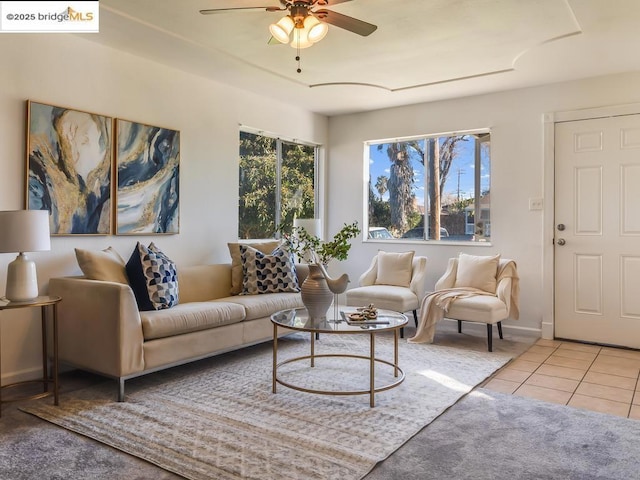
(147, 179)
(69, 166)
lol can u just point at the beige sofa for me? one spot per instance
(102, 331)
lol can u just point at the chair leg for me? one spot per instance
(459, 326)
(500, 329)
(415, 317)
(490, 336)
(402, 332)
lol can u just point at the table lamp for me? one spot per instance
(311, 225)
(23, 231)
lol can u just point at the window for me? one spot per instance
(277, 183)
(433, 187)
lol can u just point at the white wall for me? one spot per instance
(66, 70)
(516, 122)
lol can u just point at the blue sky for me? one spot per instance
(463, 163)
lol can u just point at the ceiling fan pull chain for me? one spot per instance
(299, 70)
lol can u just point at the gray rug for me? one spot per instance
(223, 421)
(494, 436)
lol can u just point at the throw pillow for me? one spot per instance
(477, 272)
(395, 268)
(236, 262)
(267, 273)
(153, 278)
(106, 265)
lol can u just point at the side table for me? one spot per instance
(43, 302)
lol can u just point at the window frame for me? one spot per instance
(477, 180)
(280, 139)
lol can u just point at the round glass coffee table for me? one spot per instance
(298, 319)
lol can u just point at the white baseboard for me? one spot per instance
(34, 373)
(528, 331)
(547, 330)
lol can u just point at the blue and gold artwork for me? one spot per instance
(148, 167)
(69, 156)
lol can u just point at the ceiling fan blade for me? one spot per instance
(344, 21)
(324, 3)
(211, 11)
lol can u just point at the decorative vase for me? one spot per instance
(316, 296)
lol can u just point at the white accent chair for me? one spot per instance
(489, 309)
(391, 297)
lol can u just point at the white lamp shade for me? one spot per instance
(300, 38)
(317, 29)
(24, 231)
(282, 29)
(311, 225)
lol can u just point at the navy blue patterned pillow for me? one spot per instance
(153, 278)
(263, 273)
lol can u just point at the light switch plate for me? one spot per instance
(535, 204)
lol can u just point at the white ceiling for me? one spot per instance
(423, 50)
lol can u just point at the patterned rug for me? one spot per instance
(217, 419)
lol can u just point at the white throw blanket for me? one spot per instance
(436, 304)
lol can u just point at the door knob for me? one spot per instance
(561, 241)
(561, 226)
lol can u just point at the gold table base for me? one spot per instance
(398, 372)
(43, 302)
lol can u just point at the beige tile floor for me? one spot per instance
(590, 377)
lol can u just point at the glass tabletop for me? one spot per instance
(298, 319)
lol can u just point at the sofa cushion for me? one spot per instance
(479, 308)
(153, 278)
(264, 273)
(388, 297)
(259, 306)
(394, 268)
(236, 262)
(477, 272)
(106, 265)
(189, 317)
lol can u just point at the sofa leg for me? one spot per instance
(490, 336)
(415, 317)
(121, 389)
(459, 326)
(500, 329)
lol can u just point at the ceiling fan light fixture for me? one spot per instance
(301, 38)
(317, 30)
(282, 29)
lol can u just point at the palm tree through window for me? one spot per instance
(430, 187)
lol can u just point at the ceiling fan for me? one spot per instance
(306, 21)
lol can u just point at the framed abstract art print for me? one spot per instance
(148, 179)
(69, 165)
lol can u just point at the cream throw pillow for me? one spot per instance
(394, 268)
(236, 262)
(106, 265)
(477, 272)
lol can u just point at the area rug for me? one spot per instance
(495, 436)
(218, 419)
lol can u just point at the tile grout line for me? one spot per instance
(585, 374)
(635, 390)
(531, 373)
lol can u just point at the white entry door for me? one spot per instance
(597, 230)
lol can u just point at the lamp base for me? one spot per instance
(22, 281)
